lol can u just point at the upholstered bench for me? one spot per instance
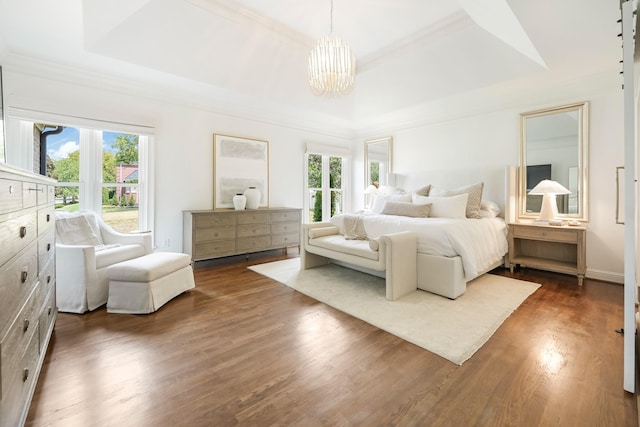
(143, 285)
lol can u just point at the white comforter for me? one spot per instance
(479, 242)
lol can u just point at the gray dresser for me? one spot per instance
(218, 233)
(27, 287)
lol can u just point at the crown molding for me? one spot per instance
(165, 88)
(234, 12)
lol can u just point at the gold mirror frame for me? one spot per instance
(576, 174)
(380, 149)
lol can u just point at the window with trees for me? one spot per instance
(100, 171)
(325, 196)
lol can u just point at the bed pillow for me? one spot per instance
(473, 201)
(407, 209)
(489, 209)
(380, 200)
(445, 207)
(423, 191)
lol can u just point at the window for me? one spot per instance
(99, 171)
(325, 185)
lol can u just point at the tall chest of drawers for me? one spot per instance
(27, 287)
(219, 233)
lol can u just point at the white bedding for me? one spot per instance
(479, 242)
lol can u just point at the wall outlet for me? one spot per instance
(166, 243)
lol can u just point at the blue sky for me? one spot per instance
(59, 146)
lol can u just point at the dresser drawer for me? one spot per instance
(281, 240)
(285, 216)
(285, 227)
(47, 317)
(46, 279)
(46, 246)
(254, 230)
(548, 234)
(253, 217)
(46, 194)
(253, 243)
(214, 220)
(10, 195)
(215, 233)
(17, 280)
(17, 233)
(45, 219)
(15, 342)
(18, 377)
(214, 249)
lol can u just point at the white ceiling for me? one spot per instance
(410, 53)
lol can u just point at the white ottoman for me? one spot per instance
(143, 285)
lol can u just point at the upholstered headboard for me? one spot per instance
(496, 182)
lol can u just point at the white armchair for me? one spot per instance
(85, 247)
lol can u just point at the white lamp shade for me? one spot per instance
(547, 186)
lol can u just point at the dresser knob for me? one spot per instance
(25, 325)
(24, 275)
(48, 217)
(48, 278)
(25, 375)
(48, 247)
(23, 232)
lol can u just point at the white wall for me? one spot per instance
(184, 143)
(492, 139)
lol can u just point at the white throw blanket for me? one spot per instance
(479, 242)
(353, 227)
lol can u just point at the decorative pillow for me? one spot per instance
(322, 231)
(378, 204)
(407, 209)
(423, 191)
(76, 230)
(374, 245)
(445, 207)
(490, 207)
(473, 202)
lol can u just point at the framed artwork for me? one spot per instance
(239, 163)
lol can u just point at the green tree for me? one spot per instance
(68, 170)
(126, 147)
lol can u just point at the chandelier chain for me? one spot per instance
(331, 19)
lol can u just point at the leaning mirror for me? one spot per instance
(377, 164)
(377, 160)
(554, 145)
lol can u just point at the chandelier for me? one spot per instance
(332, 66)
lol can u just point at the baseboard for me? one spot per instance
(605, 276)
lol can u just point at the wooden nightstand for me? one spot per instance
(560, 249)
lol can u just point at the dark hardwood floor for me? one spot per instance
(241, 349)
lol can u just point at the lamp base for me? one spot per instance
(549, 208)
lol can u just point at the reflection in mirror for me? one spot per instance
(377, 161)
(554, 145)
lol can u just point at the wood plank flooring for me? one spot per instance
(242, 349)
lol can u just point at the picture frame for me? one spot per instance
(239, 163)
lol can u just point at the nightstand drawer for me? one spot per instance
(546, 233)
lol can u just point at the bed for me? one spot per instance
(450, 251)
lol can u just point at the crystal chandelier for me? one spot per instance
(332, 66)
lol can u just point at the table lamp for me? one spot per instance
(548, 190)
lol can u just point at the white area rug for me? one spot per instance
(453, 329)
